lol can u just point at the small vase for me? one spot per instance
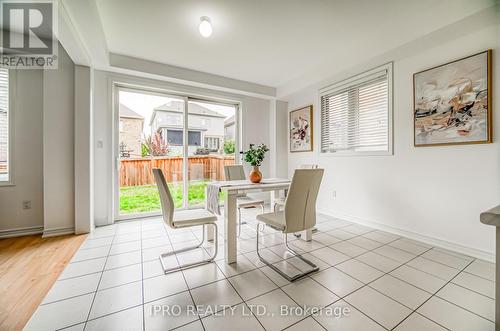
(255, 175)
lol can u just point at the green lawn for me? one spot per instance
(139, 199)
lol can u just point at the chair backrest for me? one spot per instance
(234, 172)
(167, 203)
(300, 204)
(308, 166)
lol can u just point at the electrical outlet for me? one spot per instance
(334, 194)
(26, 204)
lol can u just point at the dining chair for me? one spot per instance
(298, 215)
(280, 202)
(183, 219)
(237, 172)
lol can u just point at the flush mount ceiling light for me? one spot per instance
(205, 27)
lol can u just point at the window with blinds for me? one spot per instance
(356, 114)
(4, 125)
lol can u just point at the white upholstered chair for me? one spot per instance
(183, 219)
(236, 172)
(280, 202)
(299, 214)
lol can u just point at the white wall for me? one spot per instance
(28, 158)
(254, 130)
(43, 153)
(84, 215)
(436, 193)
(282, 139)
(58, 147)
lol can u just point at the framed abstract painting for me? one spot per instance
(452, 102)
(301, 129)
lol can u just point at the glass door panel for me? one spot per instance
(212, 132)
(151, 128)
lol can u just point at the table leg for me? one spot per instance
(274, 196)
(209, 230)
(307, 235)
(230, 248)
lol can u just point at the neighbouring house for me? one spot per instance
(131, 124)
(205, 127)
(229, 128)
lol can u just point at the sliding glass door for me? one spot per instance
(189, 139)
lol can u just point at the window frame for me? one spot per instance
(210, 139)
(343, 85)
(182, 136)
(200, 145)
(177, 131)
(10, 127)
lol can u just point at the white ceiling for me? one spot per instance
(271, 42)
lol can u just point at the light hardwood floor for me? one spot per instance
(29, 266)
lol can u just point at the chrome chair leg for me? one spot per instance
(186, 249)
(314, 267)
(264, 226)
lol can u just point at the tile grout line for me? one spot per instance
(99, 283)
(245, 301)
(238, 293)
(469, 289)
(142, 285)
(309, 277)
(470, 311)
(357, 289)
(200, 319)
(367, 285)
(415, 310)
(283, 260)
(184, 276)
(412, 310)
(262, 294)
(484, 278)
(385, 273)
(278, 287)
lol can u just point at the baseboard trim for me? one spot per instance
(57, 232)
(474, 252)
(21, 232)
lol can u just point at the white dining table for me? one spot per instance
(272, 185)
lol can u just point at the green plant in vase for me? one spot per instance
(254, 156)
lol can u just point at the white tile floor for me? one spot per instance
(115, 281)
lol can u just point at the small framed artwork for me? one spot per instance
(452, 102)
(301, 129)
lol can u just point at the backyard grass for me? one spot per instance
(140, 199)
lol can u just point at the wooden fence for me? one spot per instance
(138, 171)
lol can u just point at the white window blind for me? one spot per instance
(355, 115)
(4, 125)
